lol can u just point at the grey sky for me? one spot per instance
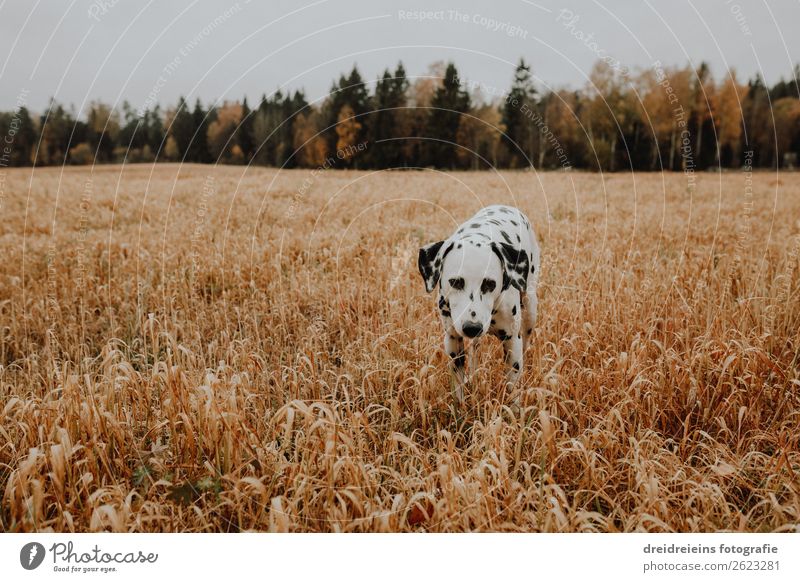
(80, 50)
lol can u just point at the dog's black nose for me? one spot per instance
(472, 329)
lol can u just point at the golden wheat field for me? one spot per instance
(200, 348)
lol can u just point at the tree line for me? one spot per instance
(659, 118)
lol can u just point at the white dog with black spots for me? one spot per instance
(487, 273)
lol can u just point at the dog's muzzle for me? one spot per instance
(472, 329)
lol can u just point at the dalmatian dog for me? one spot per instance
(487, 273)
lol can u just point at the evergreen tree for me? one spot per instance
(349, 91)
(449, 103)
(519, 132)
(182, 129)
(756, 120)
(198, 148)
(399, 100)
(381, 123)
(132, 134)
(20, 137)
(701, 115)
(56, 127)
(244, 133)
(330, 112)
(385, 122)
(290, 108)
(26, 137)
(264, 125)
(154, 129)
(103, 130)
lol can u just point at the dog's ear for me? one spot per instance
(516, 265)
(430, 264)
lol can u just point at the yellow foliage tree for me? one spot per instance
(728, 113)
(220, 133)
(311, 148)
(171, 152)
(347, 133)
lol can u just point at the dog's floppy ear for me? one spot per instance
(430, 263)
(516, 265)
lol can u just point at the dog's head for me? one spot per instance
(471, 277)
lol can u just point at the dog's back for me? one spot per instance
(503, 224)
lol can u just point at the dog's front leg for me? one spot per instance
(512, 346)
(454, 346)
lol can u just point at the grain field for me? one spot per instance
(201, 348)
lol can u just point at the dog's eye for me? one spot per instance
(488, 286)
(457, 283)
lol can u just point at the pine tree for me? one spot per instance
(290, 108)
(382, 123)
(349, 91)
(449, 103)
(131, 134)
(24, 137)
(103, 128)
(57, 130)
(702, 100)
(399, 100)
(182, 129)
(245, 132)
(519, 131)
(786, 115)
(198, 148)
(330, 111)
(265, 124)
(154, 128)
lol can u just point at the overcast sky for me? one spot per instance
(146, 51)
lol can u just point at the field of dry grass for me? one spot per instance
(213, 349)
